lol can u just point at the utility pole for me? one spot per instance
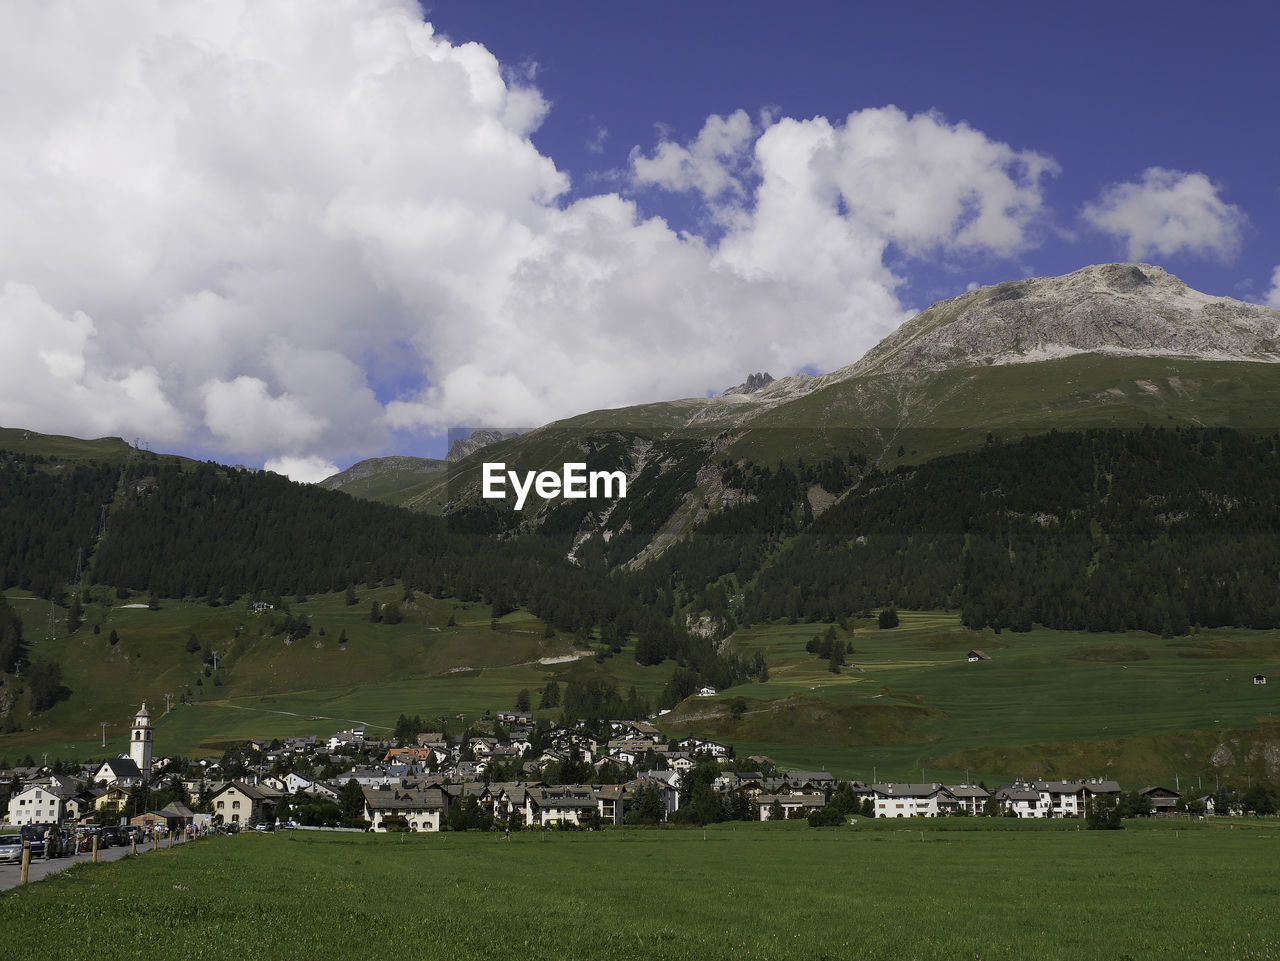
(52, 632)
(168, 699)
(104, 733)
(215, 660)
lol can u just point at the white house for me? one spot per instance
(912, 800)
(700, 745)
(410, 809)
(1060, 799)
(792, 805)
(970, 797)
(37, 805)
(1023, 800)
(241, 803)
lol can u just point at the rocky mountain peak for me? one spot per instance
(1120, 308)
(753, 383)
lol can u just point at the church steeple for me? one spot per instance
(140, 741)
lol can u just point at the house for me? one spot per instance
(1060, 799)
(177, 815)
(276, 782)
(1099, 788)
(118, 770)
(37, 804)
(706, 691)
(567, 804)
(344, 738)
(791, 805)
(422, 755)
(244, 804)
(809, 782)
(700, 745)
(912, 800)
(405, 808)
(666, 783)
(1022, 799)
(116, 795)
(1259, 679)
(1163, 800)
(515, 717)
(970, 798)
(977, 656)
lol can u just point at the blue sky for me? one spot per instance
(298, 235)
(1105, 89)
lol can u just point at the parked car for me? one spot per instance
(11, 848)
(112, 837)
(35, 834)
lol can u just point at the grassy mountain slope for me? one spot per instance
(910, 705)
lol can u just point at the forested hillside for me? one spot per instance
(220, 534)
(1155, 530)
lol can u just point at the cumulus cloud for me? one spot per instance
(53, 380)
(306, 470)
(1168, 212)
(715, 162)
(283, 230)
(1272, 296)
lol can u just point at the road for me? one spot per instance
(11, 874)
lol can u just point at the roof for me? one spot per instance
(121, 767)
(258, 792)
(401, 799)
(909, 790)
(1059, 787)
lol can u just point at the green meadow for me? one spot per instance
(265, 686)
(910, 705)
(907, 706)
(782, 891)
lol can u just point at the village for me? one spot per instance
(582, 775)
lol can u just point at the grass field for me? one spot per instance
(265, 687)
(1046, 704)
(783, 891)
(908, 707)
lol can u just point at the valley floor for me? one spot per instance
(786, 891)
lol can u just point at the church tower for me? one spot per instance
(140, 742)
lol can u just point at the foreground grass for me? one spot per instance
(735, 891)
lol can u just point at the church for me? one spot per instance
(128, 771)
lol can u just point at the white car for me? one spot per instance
(11, 848)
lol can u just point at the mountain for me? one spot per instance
(1109, 309)
(386, 479)
(1020, 469)
(1108, 346)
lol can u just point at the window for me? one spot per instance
(221, 805)
(235, 805)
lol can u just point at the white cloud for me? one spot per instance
(305, 470)
(714, 163)
(52, 379)
(1168, 212)
(1273, 295)
(282, 229)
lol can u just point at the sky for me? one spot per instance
(292, 234)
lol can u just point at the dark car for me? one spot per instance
(111, 837)
(35, 834)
